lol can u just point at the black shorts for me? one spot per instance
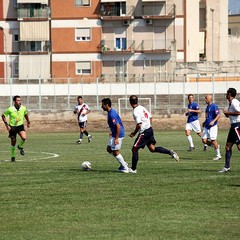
(234, 134)
(82, 124)
(145, 138)
(15, 130)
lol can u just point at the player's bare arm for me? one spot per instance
(6, 123)
(28, 121)
(214, 120)
(116, 141)
(137, 128)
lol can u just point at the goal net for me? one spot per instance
(124, 105)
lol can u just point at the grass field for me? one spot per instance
(46, 195)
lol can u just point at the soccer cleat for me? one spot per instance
(191, 149)
(21, 150)
(174, 155)
(132, 171)
(13, 159)
(89, 138)
(205, 148)
(79, 141)
(224, 170)
(217, 158)
(123, 169)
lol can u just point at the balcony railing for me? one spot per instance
(111, 46)
(34, 46)
(158, 11)
(156, 45)
(33, 13)
(110, 12)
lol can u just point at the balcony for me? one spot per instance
(34, 47)
(158, 11)
(116, 11)
(33, 13)
(119, 45)
(154, 46)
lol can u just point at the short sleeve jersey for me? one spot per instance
(211, 112)
(113, 119)
(192, 116)
(83, 108)
(141, 115)
(16, 117)
(234, 107)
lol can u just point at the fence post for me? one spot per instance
(97, 96)
(40, 98)
(68, 102)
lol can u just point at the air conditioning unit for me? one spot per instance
(126, 22)
(149, 21)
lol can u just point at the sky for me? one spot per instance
(234, 6)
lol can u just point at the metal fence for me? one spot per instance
(167, 97)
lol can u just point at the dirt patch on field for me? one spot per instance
(66, 121)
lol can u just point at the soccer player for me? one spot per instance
(233, 113)
(16, 114)
(145, 136)
(116, 134)
(193, 122)
(82, 109)
(210, 131)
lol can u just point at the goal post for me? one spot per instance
(123, 104)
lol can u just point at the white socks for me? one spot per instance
(189, 138)
(120, 159)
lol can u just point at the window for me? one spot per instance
(82, 2)
(82, 34)
(83, 68)
(15, 69)
(121, 43)
(15, 38)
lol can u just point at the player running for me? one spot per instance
(82, 109)
(210, 131)
(16, 114)
(193, 122)
(145, 136)
(116, 134)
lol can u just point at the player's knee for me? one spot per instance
(134, 149)
(204, 140)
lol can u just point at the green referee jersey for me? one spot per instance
(16, 117)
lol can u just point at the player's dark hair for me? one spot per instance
(189, 95)
(133, 99)
(15, 98)
(107, 101)
(79, 97)
(232, 91)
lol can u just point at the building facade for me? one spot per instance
(124, 40)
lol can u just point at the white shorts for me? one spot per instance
(113, 146)
(195, 126)
(210, 133)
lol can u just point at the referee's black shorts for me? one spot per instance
(15, 130)
(234, 133)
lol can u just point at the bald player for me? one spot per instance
(210, 131)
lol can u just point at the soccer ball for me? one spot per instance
(86, 166)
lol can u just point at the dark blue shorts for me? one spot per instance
(15, 130)
(145, 138)
(234, 134)
(82, 124)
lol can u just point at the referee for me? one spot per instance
(16, 114)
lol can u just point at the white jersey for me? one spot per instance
(81, 111)
(234, 107)
(141, 115)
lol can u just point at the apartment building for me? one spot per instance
(120, 40)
